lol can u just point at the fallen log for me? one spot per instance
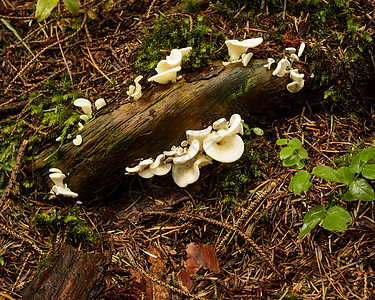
(159, 119)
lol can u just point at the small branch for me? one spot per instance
(13, 176)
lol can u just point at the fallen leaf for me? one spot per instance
(202, 255)
(198, 256)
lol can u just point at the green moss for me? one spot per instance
(168, 34)
(64, 221)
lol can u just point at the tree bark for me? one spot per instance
(71, 274)
(159, 119)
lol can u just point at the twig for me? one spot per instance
(63, 56)
(13, 176)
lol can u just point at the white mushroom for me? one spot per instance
(80, 127)
(55, 170)
(175, 58)
(60, 188)
(222, 123)
(198, 135)
(295, 76)
(84, 104)
(225, 145)
(236, 48)
(246, 58)
(188, 172)
(78, 140)
(142, 169)
(167, 76)
(130, 90)
(295, 86)
(282, 68)
(64, 191)
(294, 57)
(190, 154)
(270, 61)
(301, 49)
(100, 103)
(290, 50)
(185, 51)
(162, 66)
(57, 178)
(175, 151)
(84, 118)
(135, 91)
(159, 167)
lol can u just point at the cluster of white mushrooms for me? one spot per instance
(85, 105)
(219, 142)
(167, 68)
(60, 188)
(237, 50)
(284, 66)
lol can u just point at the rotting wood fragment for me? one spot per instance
(69, 274)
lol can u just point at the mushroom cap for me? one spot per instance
(281, 68)
(294, 57)
(222, 123)
(84, 104)
(191, 153)
(187, 173)
(270, 61)
(162, 66)
(145, 171)
(175, 58)
(78, 140)
(99, 103)
(80, 126)
(131, 90)
(55, 170)
(159, 167)
(237, 48)
(198, 135)
(84, 118)
(64, 191)
(235, 125)
(295, 86)
(185, 51)
(175, 151)
(227, 150)
(246, 58)
(295, 76)
(301, 49)
(167, 76)
(57, 178)
(290, 50)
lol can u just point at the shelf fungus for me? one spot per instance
(236, 49)
(60, 188)
(220, 142)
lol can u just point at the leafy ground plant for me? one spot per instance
(354, 178)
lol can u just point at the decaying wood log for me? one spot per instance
(152, 124)
(69, 274)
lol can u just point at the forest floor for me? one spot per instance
(231, 235)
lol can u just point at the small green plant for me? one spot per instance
(55, 221)
(354, 178)
(45, 7)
